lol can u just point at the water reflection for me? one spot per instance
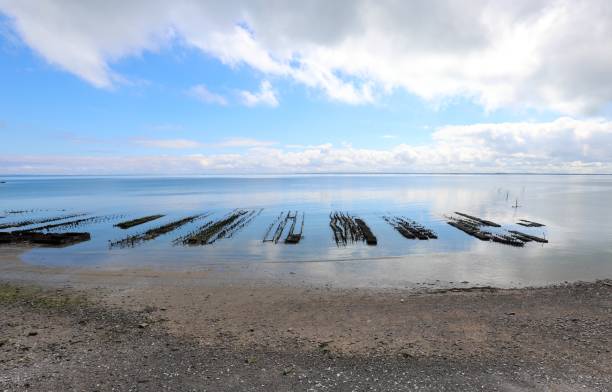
(575, 209)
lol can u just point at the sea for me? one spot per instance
(575, 210)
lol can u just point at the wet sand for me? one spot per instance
(216, 329)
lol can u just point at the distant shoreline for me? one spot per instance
(314, 174)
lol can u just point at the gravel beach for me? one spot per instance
(146, 330)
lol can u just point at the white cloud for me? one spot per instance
(562, 141)
(545, 54)
(265, 96)
(565, 145)
(168, 143)
(203, 94)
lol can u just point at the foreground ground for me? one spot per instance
(111, 332)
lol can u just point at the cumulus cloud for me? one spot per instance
(265, 96)
(203, 94)
(545, 54)
(558, 142)
(565, 145)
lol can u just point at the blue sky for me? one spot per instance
(78, 98)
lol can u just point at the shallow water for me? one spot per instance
(575, 209)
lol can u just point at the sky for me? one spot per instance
(257, 87)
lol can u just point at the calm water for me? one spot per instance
(577, 212)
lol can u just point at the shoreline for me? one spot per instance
(338, 273)
(270, 334)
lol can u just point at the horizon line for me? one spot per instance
(301, 173)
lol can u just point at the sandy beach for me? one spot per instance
(86, 329)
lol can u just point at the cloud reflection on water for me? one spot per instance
(575, 210)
